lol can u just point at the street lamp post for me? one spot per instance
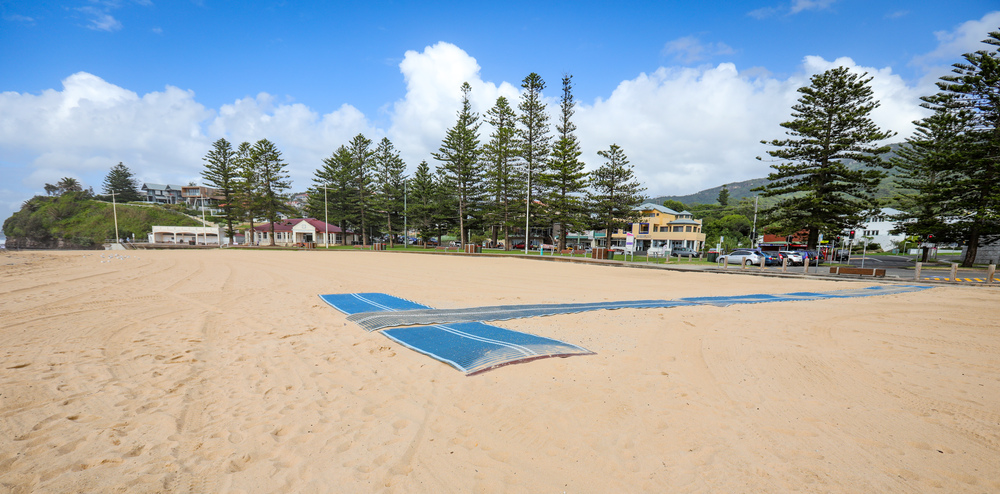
(204, 225)
(406, 231)
(326, 216)
(114, 208)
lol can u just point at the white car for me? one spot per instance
(794, 258)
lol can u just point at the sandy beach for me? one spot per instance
(222, 371)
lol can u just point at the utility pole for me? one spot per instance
(114, 207)
(753, 241)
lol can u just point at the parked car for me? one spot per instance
(794, 258)
(518, 246)
(813, 257)
(684, 252)
(743, 257)
(771, 258)
(841, 255)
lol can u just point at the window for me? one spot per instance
(687, 228)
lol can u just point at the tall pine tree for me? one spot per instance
(831, 122)
(925, 165)
(363, 169)
(459, 157)
(273, 180)
(247, 198)
(534, 140)
(333, 196)
(565, 181)
(503, 183)
(972, 94)
(221, 173)
(389, 180)
(123, 183)
(615, 192)
(421, 202)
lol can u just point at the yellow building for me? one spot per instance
(663, 226)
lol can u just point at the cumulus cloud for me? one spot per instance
(304, 136)
(433, 97)
(91, 124)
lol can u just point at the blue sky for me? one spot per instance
(687, 88)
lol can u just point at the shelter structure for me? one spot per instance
(193, 235)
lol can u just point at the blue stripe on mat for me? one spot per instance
(353, 303)
(469, 347)
(476, 347)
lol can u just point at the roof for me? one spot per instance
(646, 206)
(683, 221)
(161, 187)
(287, 225)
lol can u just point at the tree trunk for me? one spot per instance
(973, 246)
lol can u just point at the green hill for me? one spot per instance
(738, 190)
(75, 220)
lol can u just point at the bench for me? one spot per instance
(876, 272)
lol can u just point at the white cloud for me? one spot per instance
(433, 97)
(90, 125)
(795, 7)
(100, 20)
(689, 129)
(966, 38)
(303, 136)
(803, 5)
(691, 49)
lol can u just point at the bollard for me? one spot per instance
(990, 271)
(784, 265)
(763, 262)
(743, 264)
(954, 271)
(916, 270)
(691, 257)
(805, 267)
(725, 262)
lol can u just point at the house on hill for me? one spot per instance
(162, 193)
(300, 231)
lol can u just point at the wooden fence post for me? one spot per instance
(990, 272)
(954, 271)
(916, 270)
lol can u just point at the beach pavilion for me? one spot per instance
(301, 231)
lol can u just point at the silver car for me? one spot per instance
(743, 257)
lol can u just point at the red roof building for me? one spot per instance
(300, 231)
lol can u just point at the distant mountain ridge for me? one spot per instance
(740, 190)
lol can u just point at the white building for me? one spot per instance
(877, 229)
(200, 235)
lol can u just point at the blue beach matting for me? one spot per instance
(471, 347)
(459, 337)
